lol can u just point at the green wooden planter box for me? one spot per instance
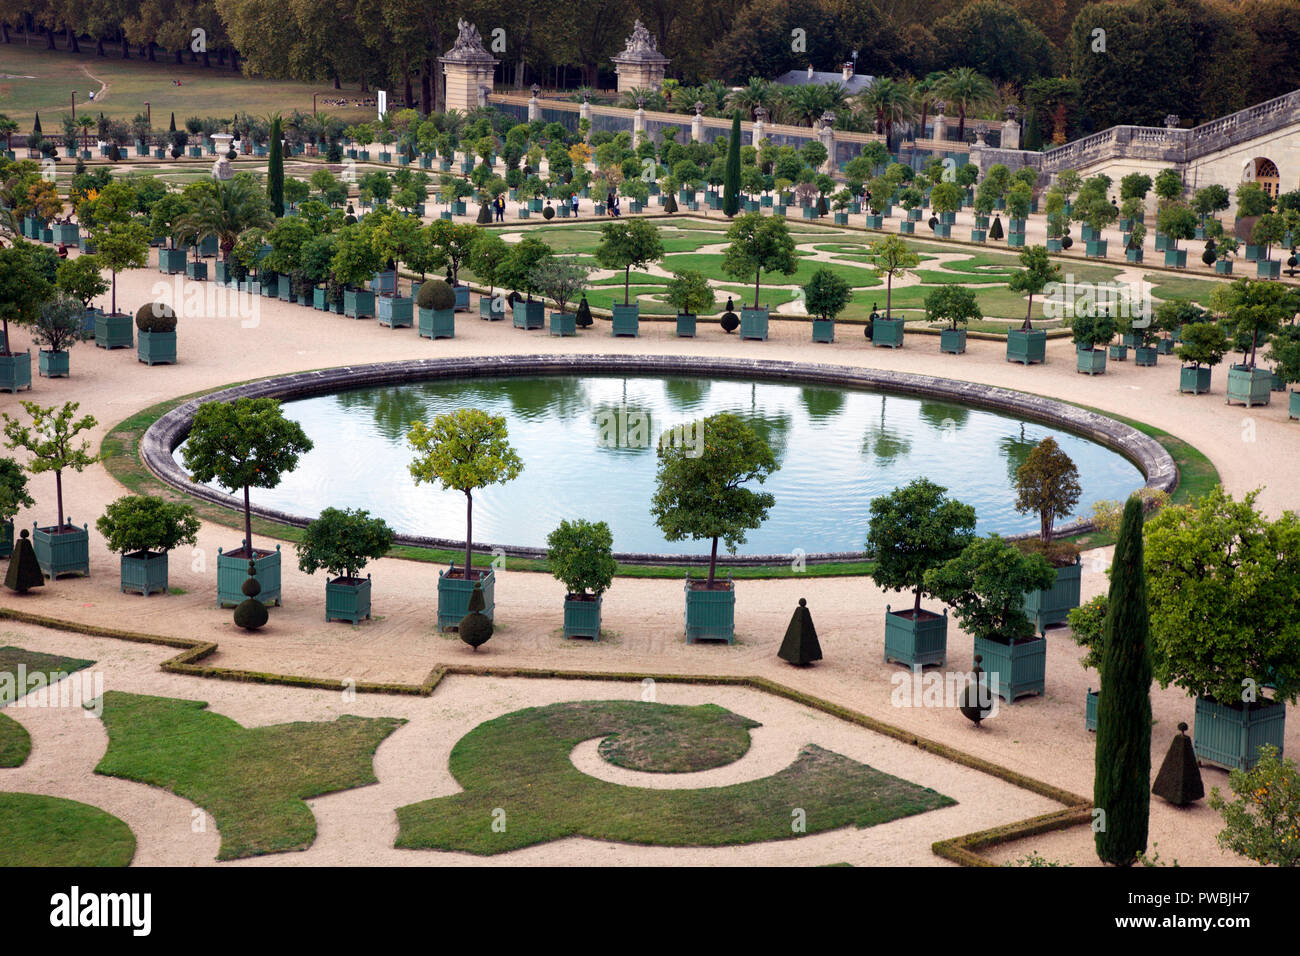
(198, 271)
(114, 331)
(916, 642)
(1223, 267)
(454, 594)
(196, 152)
(1125, 224)
(1090, 710)
(319, 300)
(626, 320)
(979, 235)
(711, 615)
(67, 233)
(15, 372)
(1026, 347)
(1175, 258)
(1088, 234)
(1016, 240)
(887, 333)
(1095, 248)
(1293, 405)
(1193, 379)
(358, 303)
(156, 348)
(88, 323)
(1230, 737)
(1164, 346)
(1014, 670)
(385, 157)
(952, 341)
(841, 218)
(943, 230)
(6, 538)
(1119, 353)
(1268, 268)
(284, 292)
(753, 324)
(1091, 361)
(232, 571)
(914, 215)
(437, 323)
(348, 599)
(487, 309)
(907, 228)
(396, 312)
(1145, 356)
(384, 282)
(564, 324)
(145, 571)
(1053, 605)
(685, 325)
(462, 297)
(52, 364)
(220, 273)
(1135, 255)
(1162, 242)
(1275, 383)
(1249, 386)
(1253, 253)
(950, 219)
(529, 315)
(780, 209)
(269, 284)
(874, 221)
(208, 247)
(86, 246)
(582, 618)
(65, 552)
(823, 330)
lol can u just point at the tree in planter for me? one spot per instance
(1122, 784)
(317, 255)
(1269, 230)
(464, 450)
(1134, 186)
(244, 444)
(1093, 331)
(914, 529)
(288, 239)
(891, 257)
(702, 496)
(1220, 570)
(1252, 311)
(759, 244)
(49, 442)
(121, 246)
(580, 554)
(516, 269)
(141, 524)
(986, 586)
(1262, 820)
(342, 543)
(1177, 221)
(58, 327)
(634, 242)
(689, 292)
(826, 294)
(955, 304)
(559, 278)
(1252, 200)
(911, 198)
(486, 256)
(355, 258)
(1210, 200)
(1168, 185)
(1137, 236)
(1095, 209)
(1038, 271)
(1204, 343)
(451, 243)
(23, 287)
(225, 210)
(13, 490)
(1047, 484)
(1019, 198)
(945, 197)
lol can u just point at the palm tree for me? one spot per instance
(923, 95)
(890, 103)
(85, 124)
(757, 92)
(226, 211)
(967, 90)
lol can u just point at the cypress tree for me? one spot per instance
(731, 180)
(36, 125)
(275, 171)
(1122, 787)
(172, 127)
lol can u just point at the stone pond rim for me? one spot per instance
(164, 435)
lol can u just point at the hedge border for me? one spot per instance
(959, 849)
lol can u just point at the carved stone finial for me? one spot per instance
(640, 102)
(469, 44)
(1172, 121)
(535, 90)
(1012, 111)
(699, 108)
(940, 106)
(760, 114)
(641, 47)
(828, 119)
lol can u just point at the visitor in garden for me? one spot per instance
(574, 199)
(499, 205)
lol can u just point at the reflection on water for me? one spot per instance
(588, 447)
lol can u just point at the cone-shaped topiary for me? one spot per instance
(976, 699)
(155, 317)
(670, 203)
(1179, 779)
(1122, 787)
(995, 230)
(250, 613)
(24, 570)
(476, 627)
(583, 319)
(800, 645)
(484, 215)
(436, 295)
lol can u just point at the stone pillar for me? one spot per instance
(940, 122)
(697, 124)
(638, 123)
(1011, 130)
(760, 116)
(584, 113)
(640, 65)
(535, 105)
(483, 93)
(468, 67)
(827, 137)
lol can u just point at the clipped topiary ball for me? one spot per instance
(476, 627)
(976, 703)
(250, 614)
(730, 321)
(436, 295)
(155, 317)
(548, 213)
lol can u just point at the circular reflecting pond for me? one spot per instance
(588, 446)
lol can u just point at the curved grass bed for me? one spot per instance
(37, 830)
(18, 667)
(521, 787)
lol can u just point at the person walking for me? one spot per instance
(500, 206)
(574, 200)
(610, 203)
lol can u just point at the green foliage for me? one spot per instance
(914, 529)
(1223, 582)
(81, 279)
(1262, 821)
(1122, 784)
(701, 495)
(1284, 353)
(275, 170)
(1203, 343)
(946, 197)
(1252, 200)
(689, 292)
(475, 627)
(1047, 484)
(355, 259)
(59, 324)
(954, 304)
(437, 295)
(49, 441)
(986, 586)
(559, 278)
(1038, 270)
(515, 270)
(342, 542)
(121, 246)
(142, 523)
(1086, 627)
(1092, 331)
(1135, 186)
(826, 294)
(731, 181)
(1252, 310)
(580, 554)
(13, 489)
(1177, 221)
(628, 244)
(155, 317)
(891, 256)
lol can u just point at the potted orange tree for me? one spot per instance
(342, 542)
(1047, 485)
(142, 530)
(580, 554)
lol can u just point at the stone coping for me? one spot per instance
(163, 437)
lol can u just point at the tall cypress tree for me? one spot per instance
(172, 127)
(275, 171)
(731, 182)
(1122, 787)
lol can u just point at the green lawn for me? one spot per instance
(253, 781)
(1170, 287)
(711, 265)
(520, 787)
(15, 743)
(37, 830)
